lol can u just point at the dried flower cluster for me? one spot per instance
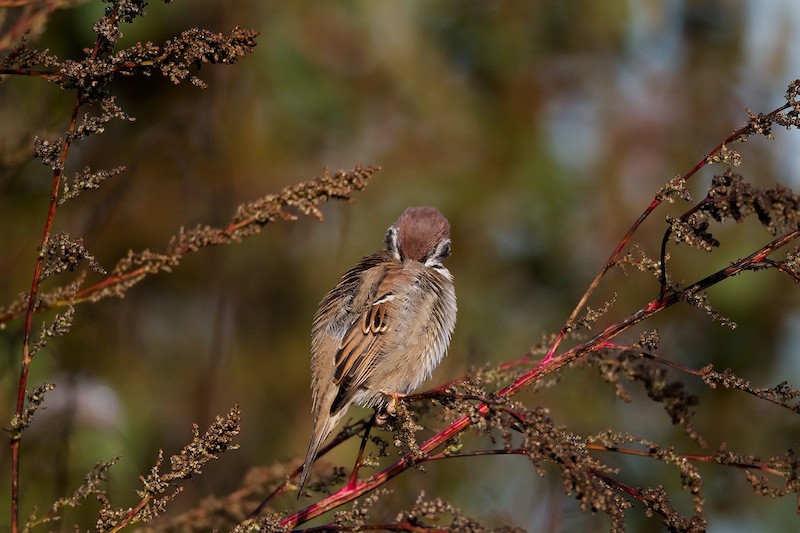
(158, 489)
(731, 197)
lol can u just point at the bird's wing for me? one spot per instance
(364, 343)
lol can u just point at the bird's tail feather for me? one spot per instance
(323, 426)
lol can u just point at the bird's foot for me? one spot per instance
(391, 408)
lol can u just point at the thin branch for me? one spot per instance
(305, 198)
(743, 132)
(29, 311)
(346, 433)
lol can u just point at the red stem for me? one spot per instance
(741, 132)
(32, 297)
(26, 339)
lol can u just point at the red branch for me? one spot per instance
(741, 133)
(26, 339)
(16, 434)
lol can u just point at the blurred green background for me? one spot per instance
(542, 129)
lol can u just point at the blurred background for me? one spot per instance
(541, 129)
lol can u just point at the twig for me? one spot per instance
(742, 132)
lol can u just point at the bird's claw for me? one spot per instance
(391, 408)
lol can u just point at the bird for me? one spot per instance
(385, 326)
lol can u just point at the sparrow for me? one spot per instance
(385, 326)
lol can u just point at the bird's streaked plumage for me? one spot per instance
(385, 326)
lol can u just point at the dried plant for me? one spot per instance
(485, 401)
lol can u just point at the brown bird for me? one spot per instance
(385, 327)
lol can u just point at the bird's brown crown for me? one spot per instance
(419, 231)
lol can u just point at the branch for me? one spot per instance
(305, 198)
(752, 127)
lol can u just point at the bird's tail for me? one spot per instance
(323, 425)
